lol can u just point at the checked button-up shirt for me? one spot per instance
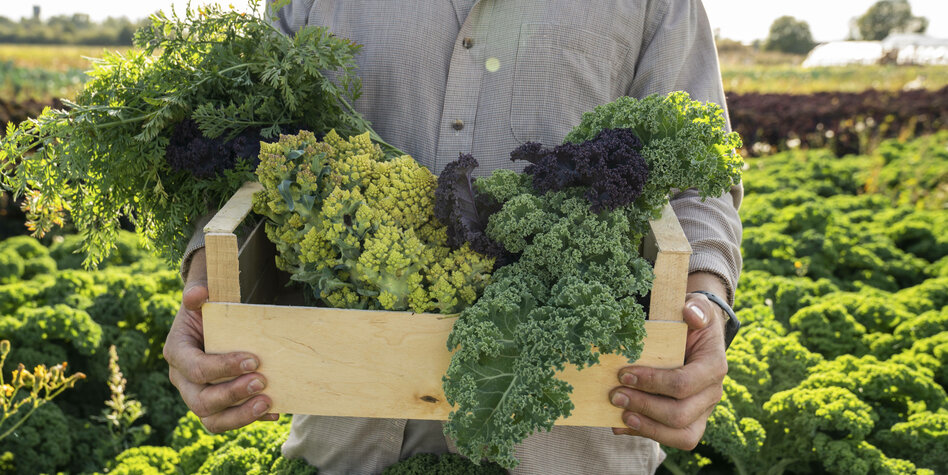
(443, 77)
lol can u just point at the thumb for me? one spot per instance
(698, 311)
(194, 295)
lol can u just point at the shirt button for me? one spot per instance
(467, 43)
(458, 124)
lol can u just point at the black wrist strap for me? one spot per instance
(732, 325)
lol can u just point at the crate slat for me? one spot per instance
(369, 363)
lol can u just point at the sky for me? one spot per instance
(742, 20)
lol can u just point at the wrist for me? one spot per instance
(709, 282)
(730, 320)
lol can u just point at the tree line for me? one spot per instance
(76, 29)
(790, 35)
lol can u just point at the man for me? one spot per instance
(442, 77)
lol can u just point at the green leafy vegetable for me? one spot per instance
(686, 143)
(104, 155)
(575, 287)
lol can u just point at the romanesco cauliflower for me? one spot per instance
(360, 229)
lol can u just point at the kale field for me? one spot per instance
(841, 365)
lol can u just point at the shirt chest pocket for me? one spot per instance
(560, 73)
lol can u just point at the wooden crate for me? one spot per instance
(389, 364)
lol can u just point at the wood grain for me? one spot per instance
(671, 267)
(223, 269)
(389, 364)
(235, 210)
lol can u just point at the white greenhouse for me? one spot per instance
(897, 48)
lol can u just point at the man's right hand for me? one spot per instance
(192, 371)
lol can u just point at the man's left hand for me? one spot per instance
(672, 406)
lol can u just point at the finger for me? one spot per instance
(678, 383)
(201, 368)
(684, 439)
(664, 410)
(238, 416)
(699, 311)
(205, 400)
(194, 295)
(269, 417)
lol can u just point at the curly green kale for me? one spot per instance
(11, 266)
(923, 439)
(893, 390)
(359, 229)
(685, 143)
(254, 449)
(828, 328)
(446, 464)
(574, 225)
(51, 331)
(571, 295)
(147, 459)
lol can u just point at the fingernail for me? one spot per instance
(633, 422)
(255, 386)
(619, 400)
(629, 379)
(248, 365)
(699, 312)
(260, 408)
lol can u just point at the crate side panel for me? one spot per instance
(313, 365)
(341, 363)
(664, 348)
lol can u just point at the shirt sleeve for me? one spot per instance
(678, 54)
(195, 244)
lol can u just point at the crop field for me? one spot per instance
(843, 299)
(42, 72)
(792, 79)
(841, 365)
(52, 57)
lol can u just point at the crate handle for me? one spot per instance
(220, 244)
(667, 241)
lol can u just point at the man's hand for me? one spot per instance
(192, 371)
(673, 406)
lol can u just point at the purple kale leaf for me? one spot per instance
(464, 211)
(189, 150)
(609, 165)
